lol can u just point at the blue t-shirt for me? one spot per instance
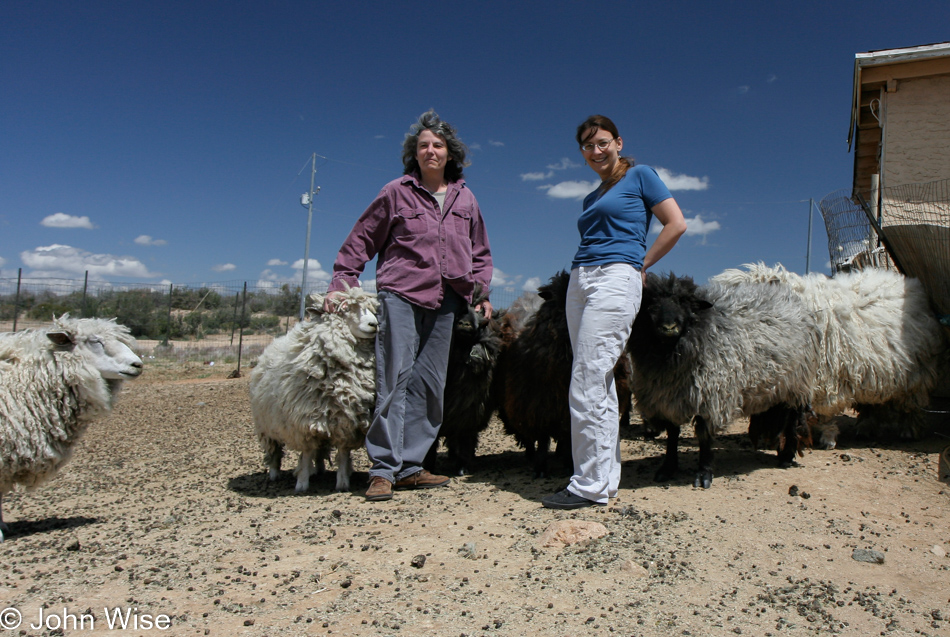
(614, 226)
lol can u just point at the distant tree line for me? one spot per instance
(150, 313)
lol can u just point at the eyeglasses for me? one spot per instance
(601, 146)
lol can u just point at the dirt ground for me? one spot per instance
(165, 514)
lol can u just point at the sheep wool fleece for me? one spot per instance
(602, 302)
(412, 357)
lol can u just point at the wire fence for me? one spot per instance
(905, 227)
(222, 314)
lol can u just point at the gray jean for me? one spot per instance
(412, 355)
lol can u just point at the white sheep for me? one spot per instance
(881, 348)
(315, 387)
(53, 383)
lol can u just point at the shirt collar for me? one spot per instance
(414, 179)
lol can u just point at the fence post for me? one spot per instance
(168, 324)
(85, 286)
(237, 372)
(16, 302)
(237, 296)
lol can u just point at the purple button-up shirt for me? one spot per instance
(420, 248)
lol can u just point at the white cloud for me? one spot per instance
(274, 262)
(501, 280)
(532, 284)
(537, 176)
(62, 220)
(682, 182)
(224, 267)
(145, 240)
(694, 226)
(3, 262)
(564, 164)
(62, 259)
(494, 143)
(315, 271)
(570, 189)
(743, 90)
(498, 277)
(771, 78)
(474, 146)
(268, 280)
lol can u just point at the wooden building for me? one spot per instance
(900, 116)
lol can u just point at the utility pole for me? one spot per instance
(306, 199)
(808, 253)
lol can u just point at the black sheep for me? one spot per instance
(534, 376)
(714, 353)
(468, 404)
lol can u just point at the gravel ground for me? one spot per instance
(165, 514)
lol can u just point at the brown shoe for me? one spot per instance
(422, 480)
(379, 489)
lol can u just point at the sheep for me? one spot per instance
(714, 353)
(468, 399)
(786, 429)
(54, 382)
(534, 375)
(314, 388)
(513, 319)
(881, 351)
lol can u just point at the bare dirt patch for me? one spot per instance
(165, 509)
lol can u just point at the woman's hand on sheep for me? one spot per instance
(485, 308)
(331, 302)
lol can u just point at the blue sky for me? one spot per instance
(171, 141)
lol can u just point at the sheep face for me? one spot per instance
(363, 323)
(358, 309)
(111, 357)
(670, 306)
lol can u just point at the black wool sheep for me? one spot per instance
(468, 405)
(715, 353)
(534, 376)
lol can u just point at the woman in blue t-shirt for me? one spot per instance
(603, 299)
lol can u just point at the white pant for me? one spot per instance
(602, 302)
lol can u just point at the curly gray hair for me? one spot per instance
(431, 121)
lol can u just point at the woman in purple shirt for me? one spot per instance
(432, 247)
(603, 298)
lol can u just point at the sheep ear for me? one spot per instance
(62, 339)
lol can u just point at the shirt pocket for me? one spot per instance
(410, 222)
(462, 222)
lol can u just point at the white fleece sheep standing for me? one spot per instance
(53, 383)
(881, 348)
(315, 387)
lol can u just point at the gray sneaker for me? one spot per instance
(564, 499)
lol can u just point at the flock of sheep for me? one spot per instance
(782, 349)
(762, 342)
